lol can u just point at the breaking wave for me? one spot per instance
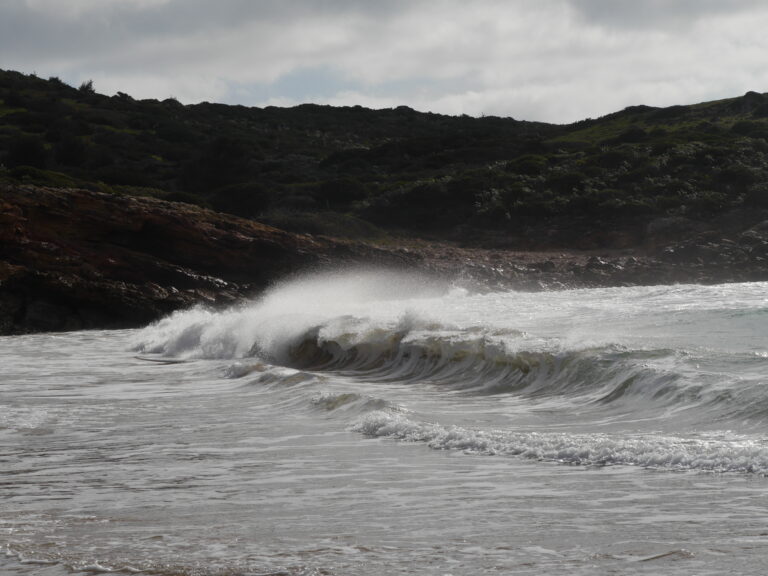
(650, 451)
(583, 347)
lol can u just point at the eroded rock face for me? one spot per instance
(72, 259)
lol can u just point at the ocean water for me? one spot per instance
(373, 423)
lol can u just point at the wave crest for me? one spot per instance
(650, 451)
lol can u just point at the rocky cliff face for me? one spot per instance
(72, 259)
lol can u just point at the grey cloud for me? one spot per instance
(643, 14)
(554, 60)
(105, 35)
(109, 25)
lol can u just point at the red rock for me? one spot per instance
(72, 259)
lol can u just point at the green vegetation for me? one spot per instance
(355, 172)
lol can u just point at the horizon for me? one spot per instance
(553, 61)
(34, 74)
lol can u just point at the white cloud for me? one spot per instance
(187, 88)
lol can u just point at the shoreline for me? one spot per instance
(76, 259)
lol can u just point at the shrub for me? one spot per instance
(528, 165)
(632, 134)
(752, 129)
(31, 175)
(246, 200)
(222, 161)
(25, 150)
(757, 196)
(737, 176)
(322, 223)
(87, 87)
(70, 150)
(341, 192)
(566, 182)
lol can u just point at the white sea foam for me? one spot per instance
(653, 451)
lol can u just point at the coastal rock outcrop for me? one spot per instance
(73, 259)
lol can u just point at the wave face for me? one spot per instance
(692, 350)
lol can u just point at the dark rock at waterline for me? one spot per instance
(73, 259)
(712, 257)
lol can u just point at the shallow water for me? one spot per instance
(370, 423)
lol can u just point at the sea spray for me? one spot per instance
(271, 324)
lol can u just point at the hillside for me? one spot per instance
(640, 177)
(114, 212)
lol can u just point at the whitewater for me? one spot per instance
(370, 422)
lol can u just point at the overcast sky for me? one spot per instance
(550, 60)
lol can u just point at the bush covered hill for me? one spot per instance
(351, 171)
